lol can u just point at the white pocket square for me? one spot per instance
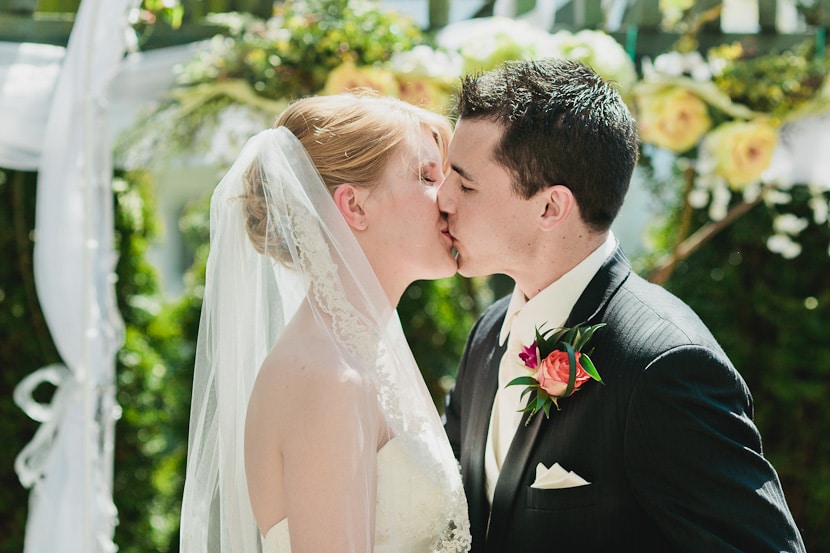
(556, 477)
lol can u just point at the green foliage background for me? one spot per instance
(772, 317)
(25, 344)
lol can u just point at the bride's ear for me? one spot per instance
(349, 199)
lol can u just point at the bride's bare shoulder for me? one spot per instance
(299, 367)
(302, 394)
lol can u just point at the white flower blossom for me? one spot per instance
(707, 180)
(669, 64)
(705, 164)
(752, 191)
(720, 202)
(234, 126)
(696, 66)
(460, 35)
(784, 246)
(777, 197)
(701, 73)
(486, 42)
(698, 198)
(820, 209)
(789, 224)
(647, 68)
(424, 61)
(596, 49)
(675, 64)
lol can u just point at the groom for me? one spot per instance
(663, 455)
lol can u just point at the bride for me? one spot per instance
(311, 427)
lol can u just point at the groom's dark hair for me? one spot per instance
(563, 124)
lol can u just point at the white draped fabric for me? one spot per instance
(28, 75)
(27, 79)
(68, 464)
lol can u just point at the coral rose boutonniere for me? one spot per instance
(558, 364)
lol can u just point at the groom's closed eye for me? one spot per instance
(465, 177)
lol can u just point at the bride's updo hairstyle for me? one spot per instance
(350, 138)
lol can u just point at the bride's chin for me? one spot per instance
(450, 268)
(436, 272)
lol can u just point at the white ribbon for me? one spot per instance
(30, 464)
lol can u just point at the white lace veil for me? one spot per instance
(248, 300)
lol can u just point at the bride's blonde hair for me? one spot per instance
(350, 138)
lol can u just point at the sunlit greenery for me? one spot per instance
(771, 316)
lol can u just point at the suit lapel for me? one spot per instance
(599, 291)
(510, 478)
(588, 307)
(473, 465)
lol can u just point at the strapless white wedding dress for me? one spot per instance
(408, 514)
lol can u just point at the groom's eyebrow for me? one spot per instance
(462, 173)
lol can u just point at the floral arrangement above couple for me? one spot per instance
(741, 128)
(244, 76)
(744, 130)
(735, 129)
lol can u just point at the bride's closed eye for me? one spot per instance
(431, 174)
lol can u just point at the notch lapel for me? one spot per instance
(599, 291)
(473, 462)
(510, 478)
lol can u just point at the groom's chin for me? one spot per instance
(466, 270)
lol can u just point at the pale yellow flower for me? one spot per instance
(348, 76)
(672, 118)
(425, 92)
(673, 10)
(742, 150)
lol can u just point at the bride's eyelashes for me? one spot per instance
(430, 173)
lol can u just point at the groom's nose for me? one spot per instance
(446, 200)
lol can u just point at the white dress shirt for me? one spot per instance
(548, 309)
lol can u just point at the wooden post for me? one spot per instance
(767, 15)
(439, 14)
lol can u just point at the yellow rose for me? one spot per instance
(672, 118)
(424, 92)
(347, 76)
(741, 150)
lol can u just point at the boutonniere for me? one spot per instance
(558, 364)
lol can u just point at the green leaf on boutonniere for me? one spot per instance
(557, 372)
(569, 349)
(589, 367)
(527, 380)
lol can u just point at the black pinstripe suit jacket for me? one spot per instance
(668, 443)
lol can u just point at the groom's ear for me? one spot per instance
(349, 199)
(559, 204)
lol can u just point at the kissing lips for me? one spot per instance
(446, 232)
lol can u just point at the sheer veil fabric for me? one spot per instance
(248, 300)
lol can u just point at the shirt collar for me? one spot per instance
(552, 305)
